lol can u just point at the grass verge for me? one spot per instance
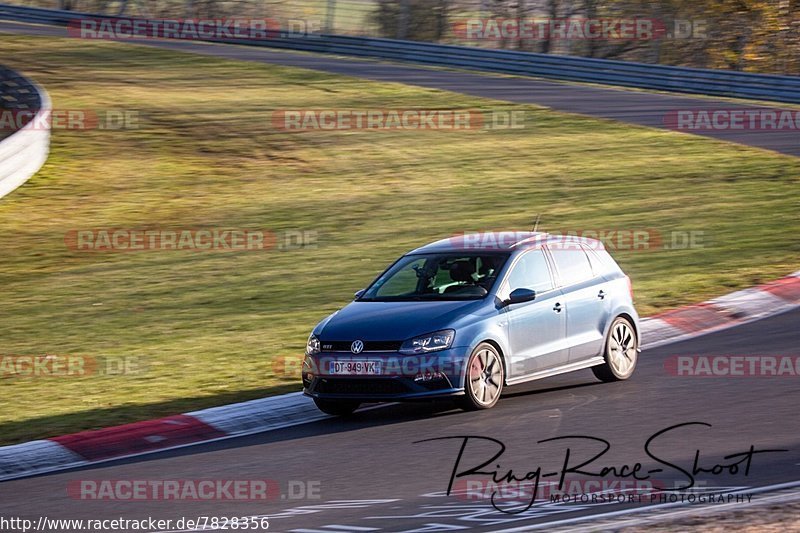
(212, 328)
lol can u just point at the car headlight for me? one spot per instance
(312, 346)
(431, 342)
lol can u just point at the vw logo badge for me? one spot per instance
(357, 346)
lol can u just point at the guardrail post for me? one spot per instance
(330, 16)
(402, 22)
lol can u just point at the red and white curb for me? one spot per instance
(720, 313)
(129, 440)
(256, 416)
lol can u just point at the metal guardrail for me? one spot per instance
(621, 73)
(23, 152)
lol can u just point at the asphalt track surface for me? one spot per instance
(371, 473)
(635, 107)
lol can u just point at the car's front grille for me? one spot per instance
(369, 346)
(360, 386)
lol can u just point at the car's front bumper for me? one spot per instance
(438, 374)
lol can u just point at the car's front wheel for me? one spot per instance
(484, 381)
(337, 407)
(621, 353)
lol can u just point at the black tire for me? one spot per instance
(337, 407)
(621, 344)
(483, 395)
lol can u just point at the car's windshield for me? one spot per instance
(442, 276)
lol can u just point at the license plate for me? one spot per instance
(355, 368)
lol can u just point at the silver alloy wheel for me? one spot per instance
(486, 377)
(622, 349)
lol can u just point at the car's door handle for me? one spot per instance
(601, 294)
(557, 308)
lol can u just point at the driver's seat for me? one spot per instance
(461, 272)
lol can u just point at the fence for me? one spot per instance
(621, 73)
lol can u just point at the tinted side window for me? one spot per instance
(530, 272)
(607, 262)
(597, 264)
(572, 263)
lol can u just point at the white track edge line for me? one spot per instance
(612, 514)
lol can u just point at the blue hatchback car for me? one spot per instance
(466, 316)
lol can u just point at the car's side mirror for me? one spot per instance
(359, 294)
(518, 296)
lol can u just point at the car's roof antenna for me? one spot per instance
(536, 223)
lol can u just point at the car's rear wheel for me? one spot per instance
(337, 407)
(621, 352)
(484, 381)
